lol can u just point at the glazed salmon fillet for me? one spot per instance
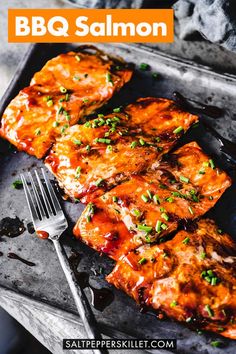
(150, 206)
(92, 158)
(68, 88)
(190, 278)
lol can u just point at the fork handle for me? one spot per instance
(81, 300)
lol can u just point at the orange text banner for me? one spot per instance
(91, 25)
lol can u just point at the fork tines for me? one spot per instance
(40, 195)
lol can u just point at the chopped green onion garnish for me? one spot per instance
(144, 198)
(164, 226)
(142, 142)
(77, 57)
(184, 179)
(178, 130)
(60, 110)
(189, 319)
(201, 172)
(158, 139)
(67, 97)
(210, 277)
(117, 110)
(211, 198)
(136, 212)
(190, 210)
(101, 122)
(148, 238)
(186, 240)
(85, 100)
(156, 199)
(67, 117)
(115, 199)
(133, 144)
(165, 216)
(47, 98)
(163, 186)
(203, 255)
(63, 89)
(88, 148)
(144, 66)
(50, 103)
(55, 124)
(158, 226)
(63, 129)
(209, 311)
(142, 261)
(99, 182)
(214, 280)
(77, 141)
(176, 194)
(103, 140)
(78, 171)
(173, 303)
(211, 162)
(205, 164)
(220, 329)
(155, 75)
(109, 148)
(17, 184)
(170, 200)
(109, 78)
(216, 343)
(149, 193)
(37, 131)
(144, 228)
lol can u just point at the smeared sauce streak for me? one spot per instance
(227, 146)
(15, 256)
(209, 110)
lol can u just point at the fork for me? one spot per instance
(48, 217)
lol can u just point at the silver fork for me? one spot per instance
(47, 216)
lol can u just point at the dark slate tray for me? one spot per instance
(45, 282)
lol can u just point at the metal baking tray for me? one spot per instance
(45, 282)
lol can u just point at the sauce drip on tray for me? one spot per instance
(101, 298)
(15, 256)
(11, 227)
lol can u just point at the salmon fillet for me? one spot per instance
(190, 278)
(179, 188)
(68, 88)
(92, 158)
